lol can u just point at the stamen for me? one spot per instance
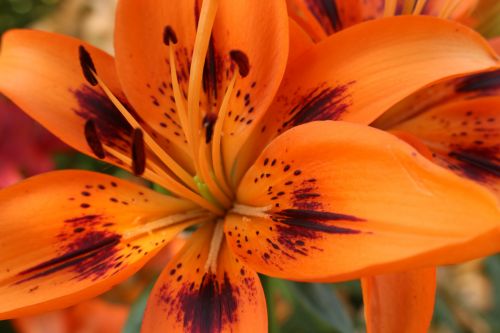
(251, 211)
(138, 153)
(180, 102)
(203, 34)
(419, 6)
(241, 59)
(205, 172)
(165, 222)
(448, 8)
(208, 123)
(92, 138)
(160, 177)
(169, 36)
(215, 244)
(390, 8)
(217, 138)
(155, 147)
(87, 65)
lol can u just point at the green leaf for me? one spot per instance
(317, 308)
(444, 316)
(134, 320)
(492, 268)
(270, 293)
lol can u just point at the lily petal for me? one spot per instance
(321, 189)
(70, 235)
(324, 17)
(186, 297)
(144, 63)
(300, 41)
(143, 30)
(451, 90)
(42, 73)
(399, 300)
(349, 76)
(464, 137)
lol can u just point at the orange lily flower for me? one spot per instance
(200, 99)
(453, 122)
(321, 18)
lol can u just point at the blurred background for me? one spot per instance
(468, 297)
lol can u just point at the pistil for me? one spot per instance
(202, 40)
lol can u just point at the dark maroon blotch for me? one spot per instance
(92, 138)
(320, 104)
(480, 82)
(210, 307)
(138, 152)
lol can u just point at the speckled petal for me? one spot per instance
(187, 298)
(464, 137)
(332, 200)
(67, 236)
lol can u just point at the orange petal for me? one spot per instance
(301, 12)
(251, 27)
(41, 73)
(186, 297)
(71, 235)
(299, 41)
(322, 18)
(335, 200)
(464, 137)
(348, 76)
(398, 300)
(144, 64)
(460, 88)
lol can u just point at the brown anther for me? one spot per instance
(209, 123)
(241, 60)
(169, 35)
(87, 65)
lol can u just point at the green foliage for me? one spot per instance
(19, 13)
(315, 307)
(134, 320)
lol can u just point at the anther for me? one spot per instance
(241, 60)
(87, 64)
(92, 138)
(169, 35)
(138, 152)
(209, 123)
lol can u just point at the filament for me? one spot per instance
(150, 227)
(215, 244)
(217, 138)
